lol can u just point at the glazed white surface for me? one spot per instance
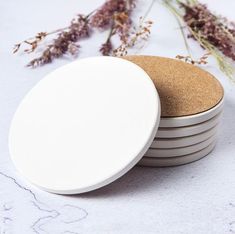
(196, 198)
(50, 135)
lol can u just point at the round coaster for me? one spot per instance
(176, 161)
(108, 98)
(181, 86)
(193, 119)
(174, 152)
(189, 130)
(183, 141)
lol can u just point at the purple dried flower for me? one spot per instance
(113, 14)
(73, 49)
(65, 42)
(123, 25)
(214, 29)
(106, 48)
(117, 15)
(103, 16)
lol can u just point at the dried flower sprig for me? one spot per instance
(33, 42)
(188, 59)
(65, 42)
(113, 15)
(214, 33)
(210, 28)
(139, 34)
(116, 13)
(119, 21)
(107, 47)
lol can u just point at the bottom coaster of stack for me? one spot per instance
(176, 161)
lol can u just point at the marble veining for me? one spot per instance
(65, 215)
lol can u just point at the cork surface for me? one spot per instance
(184, 89)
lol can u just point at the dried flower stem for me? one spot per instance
(34, 41)
(120, 24)
(177, 17)
(188, 59)
(107, 47)
(39, 37)
(141, 33)
(65, 42)
(208, 29)
(114, 15)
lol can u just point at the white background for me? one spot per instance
(196, 198)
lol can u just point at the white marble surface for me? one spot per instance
(196, 198)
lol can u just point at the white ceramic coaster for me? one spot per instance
(192, 119)
(108, 98)
(166, 143)
(189, 130)
(176, 161)
(174, 152)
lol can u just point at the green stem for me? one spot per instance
(222, 61)
(148, 10)
(177, 16)
(224, 65)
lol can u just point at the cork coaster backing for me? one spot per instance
(192, 119)
(184, 89)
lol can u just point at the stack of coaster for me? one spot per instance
(191, 106)
(115, 102)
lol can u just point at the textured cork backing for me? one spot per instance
(184, 89)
